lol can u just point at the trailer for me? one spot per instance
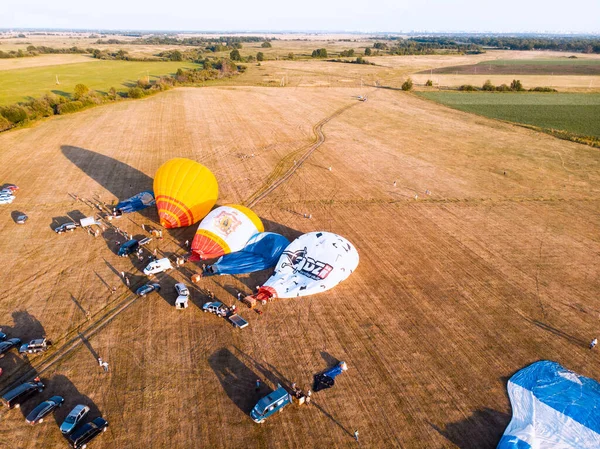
(237, 321)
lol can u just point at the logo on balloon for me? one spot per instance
(309, 267)
(226, 222)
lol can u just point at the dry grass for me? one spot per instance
(42, 61)
(455, 291)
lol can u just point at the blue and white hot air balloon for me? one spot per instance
(552, 408)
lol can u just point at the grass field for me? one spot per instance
(21, 84)
(456, 290)
(563, 66)
(575, 113)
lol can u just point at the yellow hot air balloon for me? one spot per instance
(185, 192)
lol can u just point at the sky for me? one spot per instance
(579, 16)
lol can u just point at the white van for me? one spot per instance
(158, 266)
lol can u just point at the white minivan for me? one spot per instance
(158, 266)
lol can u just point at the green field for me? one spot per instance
(544, 62)
(575, 113)
(559, 66)
(23, 84)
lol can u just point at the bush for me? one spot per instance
(69, 107)
(467, 88)
(367, 51)
(516, 85)
(266, 44)
(502, 88)
(80, 91)
(488, 86)
(543, 89)
(290, 56)
(235, 55)
(176, 56)
(40, 108)
(135, 92)
(4, 124)
(319, 53)
(14, 113)
(407, 85)
(260, 56)
(429, 83)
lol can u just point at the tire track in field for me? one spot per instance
(78, 338)
(276, 178)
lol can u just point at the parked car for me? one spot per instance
(10, 188)
(273, 402)
(73, 418)
(43, 409)
(2, 336)
(181, 289)
(21, 219)
(216, 307)
(158, 266)
(7, 345)
(34, 346)
(6, 199)
(15, 397)
(87, 432)
(183, 295)
(66, 227)
(147, 288)
(129, 247)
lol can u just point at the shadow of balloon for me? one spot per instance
(238, 381)
(483, 429)
(122, 180)
(60, 385)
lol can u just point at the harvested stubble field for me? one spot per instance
(456, 290)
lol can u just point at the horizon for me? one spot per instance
(307, 31)
(333, 16)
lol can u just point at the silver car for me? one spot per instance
(73, 418)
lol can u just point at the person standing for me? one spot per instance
(257, 385)
(593, 343)
(356, 435)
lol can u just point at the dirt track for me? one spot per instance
(456, 290)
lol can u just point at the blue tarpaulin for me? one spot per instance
(137, 202)
(552, 408)
(261, 252)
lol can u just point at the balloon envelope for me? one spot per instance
(552, 408)
(261, 252)
(313, 263)
(225, 230)
(185, 192)
(137, 202)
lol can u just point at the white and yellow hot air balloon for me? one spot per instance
(185, 192)
(225, 230)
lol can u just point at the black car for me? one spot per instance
(7, 345)
(38, 413)
(87, 433)
(147, 288)
(66, 227)
(129, 247)
(15, 397)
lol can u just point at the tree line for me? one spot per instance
(83, 97)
